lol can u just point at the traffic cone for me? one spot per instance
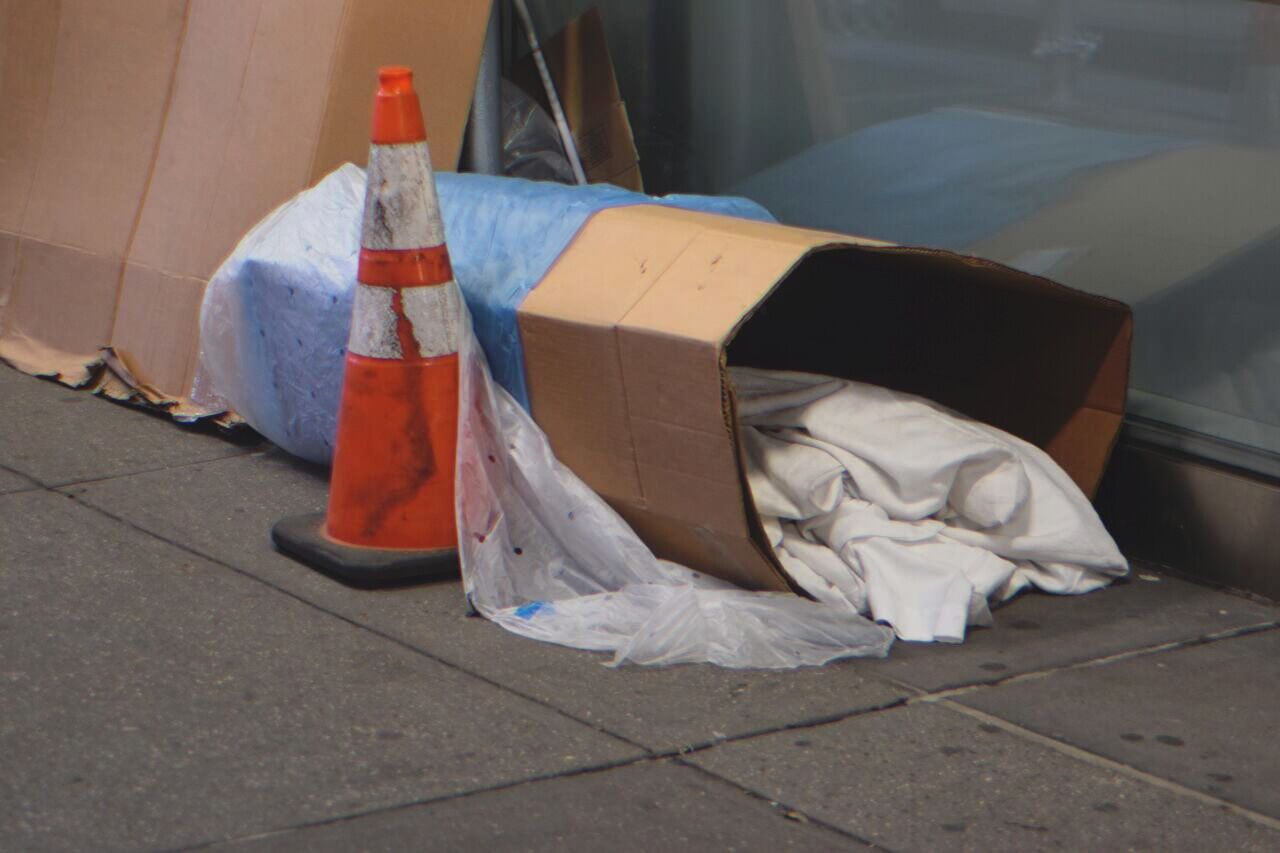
(391, 512)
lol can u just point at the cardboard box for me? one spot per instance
(628, 337)
(578, 59)
(142, 140)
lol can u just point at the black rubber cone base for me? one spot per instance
(302, 537)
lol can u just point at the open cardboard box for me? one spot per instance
(628, 337)
(140, 141)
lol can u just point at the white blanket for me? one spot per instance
(893, 506)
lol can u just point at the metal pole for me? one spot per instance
(570, 149)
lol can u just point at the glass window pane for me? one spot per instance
(1124, 147)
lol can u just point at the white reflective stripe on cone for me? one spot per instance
(433, 312)
(373, 323)
(401, 209)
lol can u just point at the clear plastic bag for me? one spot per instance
(545, 557)
(531, 146)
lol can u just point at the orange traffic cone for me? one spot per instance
(391, 515)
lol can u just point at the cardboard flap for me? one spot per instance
(440, 40)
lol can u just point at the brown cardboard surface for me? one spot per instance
(158, 133)
(606, 145)
(440, 40)
(149, 328)
(187, 181)
(610, 270)
(28, 39)
(584, 355)
(61, 299)
(8, 266)
(92, 108)
(568, 325)
(111, 77)
(279, 110)
(627, 338)
(734, 558)
(629, 179)
(578, 60)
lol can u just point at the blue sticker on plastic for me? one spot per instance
(530, 609)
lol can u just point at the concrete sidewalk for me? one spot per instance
(168, 681)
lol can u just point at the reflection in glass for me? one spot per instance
(1125, 147)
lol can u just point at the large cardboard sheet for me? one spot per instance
(141, 140)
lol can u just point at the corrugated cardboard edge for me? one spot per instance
(118, 382)
(35, 358)
(108, 375)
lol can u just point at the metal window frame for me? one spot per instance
(1200, 507)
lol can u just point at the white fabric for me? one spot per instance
(896, 507)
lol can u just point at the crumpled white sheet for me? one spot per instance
(889, 505)
(545, 557)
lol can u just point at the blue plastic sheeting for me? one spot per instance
(276, 315)
(944, 179)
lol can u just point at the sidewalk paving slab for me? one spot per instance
(926, 777)
(154, 699)
(1205, 716)
(658, 806)
(1038, 631)
(57, 435)
(12, 481)
(225, 509)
